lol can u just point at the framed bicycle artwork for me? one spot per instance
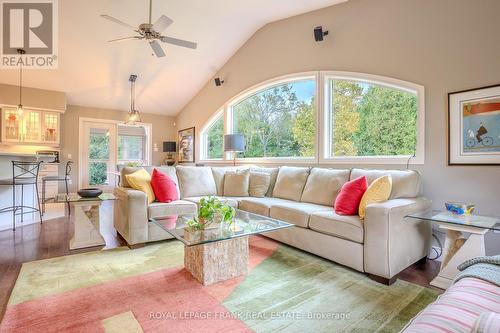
(474, 126)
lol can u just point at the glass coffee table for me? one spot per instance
(87, 219)
(220, 252)
(457, 247)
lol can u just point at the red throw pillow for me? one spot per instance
(164, 187)
(347, 202)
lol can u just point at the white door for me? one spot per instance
(98, 155)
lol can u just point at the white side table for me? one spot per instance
(457, 246)
(87, 219)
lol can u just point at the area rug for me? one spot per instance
(148, 290)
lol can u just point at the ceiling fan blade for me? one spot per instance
(162, 23)
(157, 49)
(125, 38)
(178, 42)
(112, 19)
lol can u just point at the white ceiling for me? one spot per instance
(95, 73)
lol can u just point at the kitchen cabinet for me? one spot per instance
(32, 126)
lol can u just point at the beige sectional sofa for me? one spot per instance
(382, 245)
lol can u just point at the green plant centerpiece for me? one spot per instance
(211, 213)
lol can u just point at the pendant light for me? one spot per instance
(20, 105)
(133, 116)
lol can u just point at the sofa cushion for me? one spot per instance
(164, 188)
(196, 181)
(343, 226)
(273, 172)
(259, 184)
(347, 202)
(295, 212)
(236, 183)
(378, 191)
(233, 201)
(290, 183)
(259, 206)
(219, 172)
(161, 209)
(141, 180)
(168, 170)
(405, 183)
(323, 185)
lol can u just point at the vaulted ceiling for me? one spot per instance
(95, 73)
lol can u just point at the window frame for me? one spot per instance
(323, 128)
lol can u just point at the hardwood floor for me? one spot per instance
(51, 239)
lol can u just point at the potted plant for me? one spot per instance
(212, 213)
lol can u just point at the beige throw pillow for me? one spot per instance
(259, 184)
(236, 183)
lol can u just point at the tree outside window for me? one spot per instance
(278, 121)
(372, 120)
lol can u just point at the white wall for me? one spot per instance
(444, 45)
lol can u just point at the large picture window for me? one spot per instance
(323, 117)
(368, 119)
(278, 121)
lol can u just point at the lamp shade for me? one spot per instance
(234, 142)
(169, 147)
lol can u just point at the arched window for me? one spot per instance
(323, 117)
(277, 120)
(213, 138)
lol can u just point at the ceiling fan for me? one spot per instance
(152, 33)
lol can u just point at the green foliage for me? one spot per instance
(99, 147)
(133, 164)
(210, 210)
(304, 129)
(98, 173)
(387, 123)
(266, 120)
(98, 150)
(215, 138)
(345, 118)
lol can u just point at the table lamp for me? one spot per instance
(169, 147)
(234, 143)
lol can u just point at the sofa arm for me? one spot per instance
(131, 215)
(392, 242)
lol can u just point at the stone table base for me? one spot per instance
(217, 261)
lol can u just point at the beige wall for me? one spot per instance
(444, 45)
(163, 130)
(32, 97)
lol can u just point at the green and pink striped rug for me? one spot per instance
(148, 290)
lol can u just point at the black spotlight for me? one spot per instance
(319, 34)
(218, 81)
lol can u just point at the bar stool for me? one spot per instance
(23, 173)
(58, 179)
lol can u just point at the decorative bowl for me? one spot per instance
(459, 208)
(89, 192)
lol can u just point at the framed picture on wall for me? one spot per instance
(474, 126)
(186, 145)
